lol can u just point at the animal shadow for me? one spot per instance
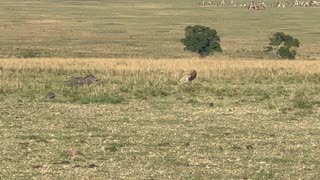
(80, 81)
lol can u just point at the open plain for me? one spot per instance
(146, 28)
(245, 116)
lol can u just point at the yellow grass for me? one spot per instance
(169, 65)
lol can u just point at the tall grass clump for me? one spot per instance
(302, 101)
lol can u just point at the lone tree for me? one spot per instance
(202, 40)
(283, 45)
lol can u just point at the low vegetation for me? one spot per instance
(130, 117)
(245, 119)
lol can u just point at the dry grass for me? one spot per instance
(244, 119)
(238, 119)
(169, 65)
(140, 29)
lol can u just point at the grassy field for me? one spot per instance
(145, 28)
(239, 119)
(242, 117)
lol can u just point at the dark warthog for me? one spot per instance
(51, 95)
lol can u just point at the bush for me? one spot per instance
(286, 53)
(283, 45)
(202, 40)
(25, 53)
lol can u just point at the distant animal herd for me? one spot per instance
(259, 5)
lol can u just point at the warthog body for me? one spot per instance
(78, 81)
(51, 95)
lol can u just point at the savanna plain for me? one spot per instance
(245, 116)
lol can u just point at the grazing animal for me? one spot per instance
(83, 80)
(51, 95)
(190, 77)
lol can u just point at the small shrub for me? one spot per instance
(286, 53)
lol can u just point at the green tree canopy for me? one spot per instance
(283, 45)
(202, 40)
